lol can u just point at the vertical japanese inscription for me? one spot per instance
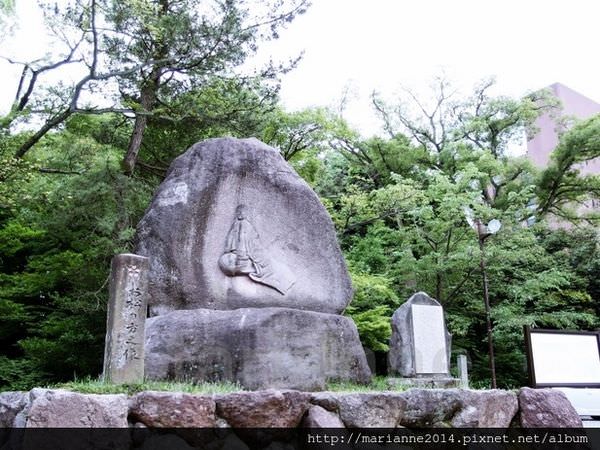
(124, 349)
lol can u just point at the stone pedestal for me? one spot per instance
(256, 347)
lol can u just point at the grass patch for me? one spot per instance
(97, 386)
(376, 384)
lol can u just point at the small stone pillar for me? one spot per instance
(463, 373)
(125, 326)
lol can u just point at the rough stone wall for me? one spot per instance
(194, 419)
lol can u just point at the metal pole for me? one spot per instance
(488, 320)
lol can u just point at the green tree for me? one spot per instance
(561, 187)
(56, 242)
(455, 158)
(149, 53)
(7, 11)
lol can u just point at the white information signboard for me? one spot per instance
(563, 358)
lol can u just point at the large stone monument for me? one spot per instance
(420, 344)
(246, 279)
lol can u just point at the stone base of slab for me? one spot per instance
(424, 382)
(256, 347)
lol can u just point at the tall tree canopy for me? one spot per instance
(399, 205)
(145, 59)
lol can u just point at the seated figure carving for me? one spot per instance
(245, 255)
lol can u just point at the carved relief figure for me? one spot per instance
(245, 255)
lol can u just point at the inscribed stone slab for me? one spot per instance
(125, 328)
(416, 339)
(429, 339)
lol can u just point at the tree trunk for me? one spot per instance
(148, 96)
(141, 120)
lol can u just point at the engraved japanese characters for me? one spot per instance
(124, 349)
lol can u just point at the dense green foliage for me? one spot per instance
(398, 203)
(400, 212)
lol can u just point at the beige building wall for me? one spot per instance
(540, 147)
